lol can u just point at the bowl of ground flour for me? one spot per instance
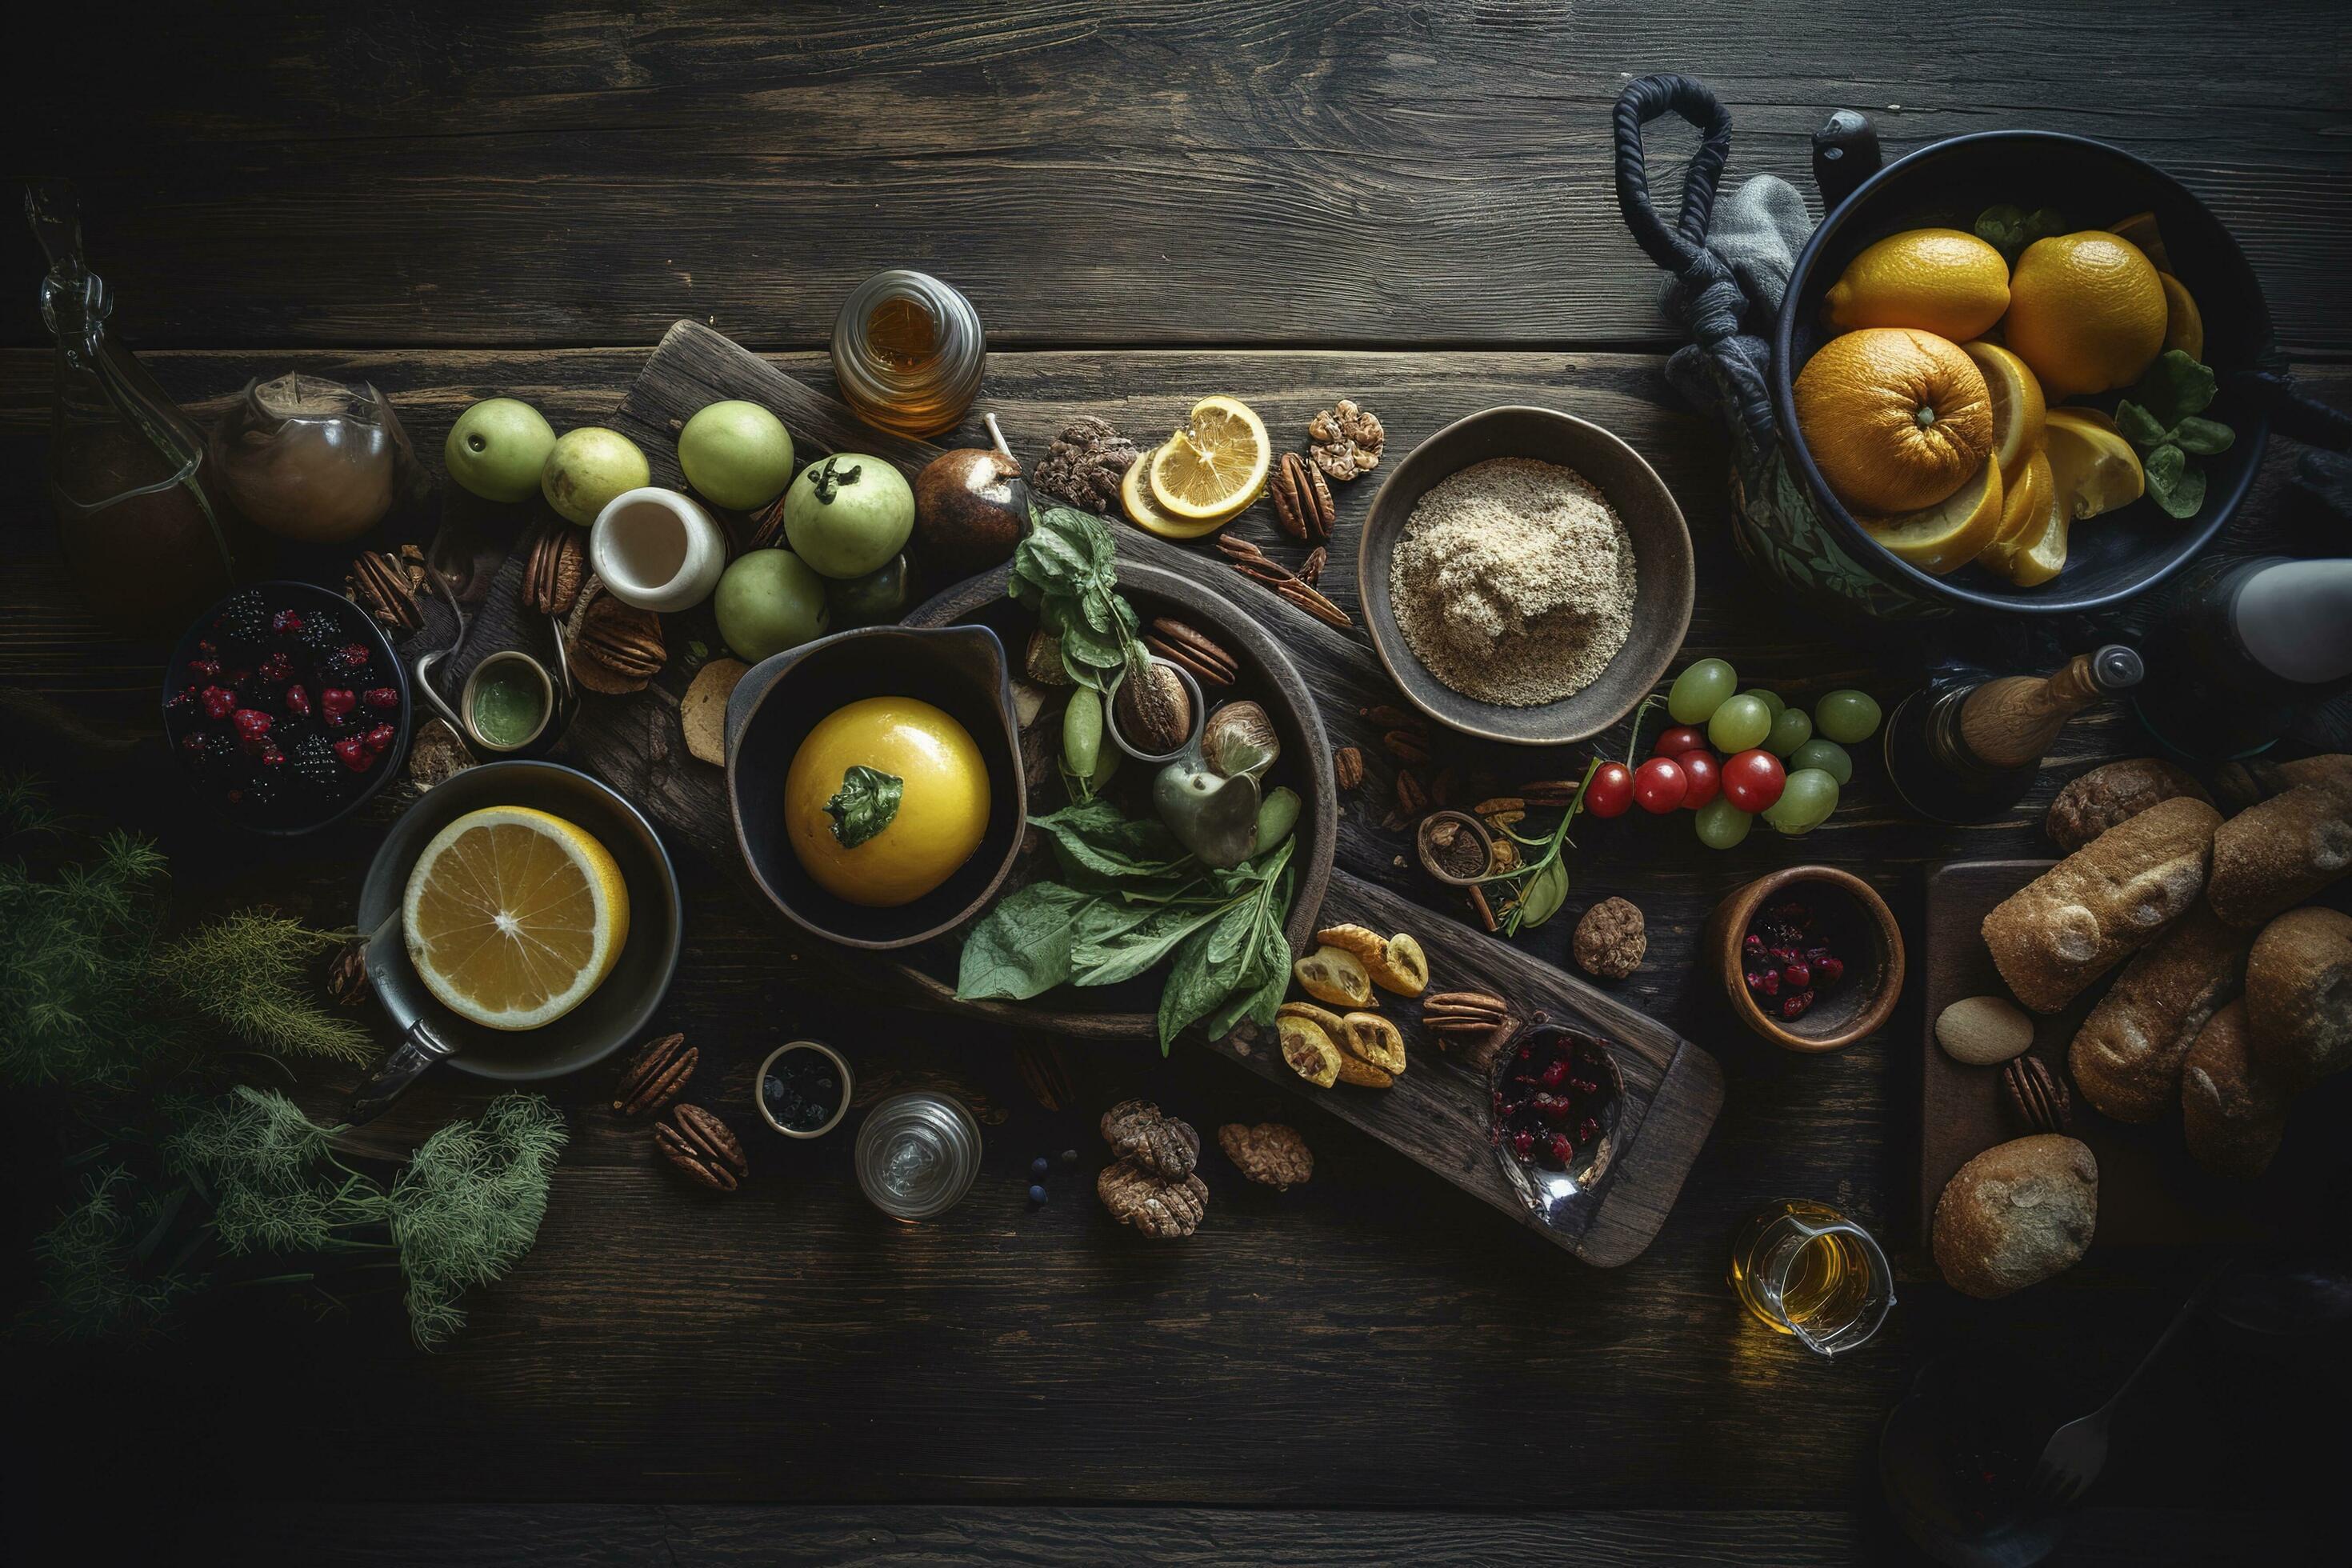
(1527, 576)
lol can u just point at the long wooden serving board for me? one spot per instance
(1437, 1113)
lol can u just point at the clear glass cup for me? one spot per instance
(1806, 1270)
(917, 1154)
(907, 352)
(312, 460)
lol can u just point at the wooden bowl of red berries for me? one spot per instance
(1810, 956)
(286, 707)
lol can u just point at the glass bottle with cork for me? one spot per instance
(1966, 749)
(907, 352)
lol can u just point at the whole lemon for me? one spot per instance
(1895, 419)
(1938, 280)
(2086, 311)
(884, 799)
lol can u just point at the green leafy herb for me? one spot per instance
(2163, 417)
(1066, 570)
(1131, 901)
(866, 802)
(2010, 229)
(470, 1205)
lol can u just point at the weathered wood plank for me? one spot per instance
(1089, 173)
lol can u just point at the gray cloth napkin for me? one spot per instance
(1757, 232)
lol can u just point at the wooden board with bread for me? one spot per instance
(2192, 1016)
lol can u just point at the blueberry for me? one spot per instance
(1039, 1166)
(1036, 1195)
(1069, 1156)
(774, 1088)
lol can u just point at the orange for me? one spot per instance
(1937, 279)
(2086, 311)
(1951, 533)
(1897, 419)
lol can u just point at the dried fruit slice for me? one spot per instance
(1335, 975)
(1369, 1037)
(1361, 1074)
(1308, 1049)
(1393, 964)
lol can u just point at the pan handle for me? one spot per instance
(1845, 153)
(418, 1049)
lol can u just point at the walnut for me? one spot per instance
(1611, 938)
(1346, 441)
(1269, 1154)
(1085, 465)
(1136, 1130)
(1152, 1203)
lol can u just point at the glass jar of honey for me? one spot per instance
(907, 352)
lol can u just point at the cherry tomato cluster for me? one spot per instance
(1682, 773)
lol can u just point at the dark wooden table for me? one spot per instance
(1290, 202)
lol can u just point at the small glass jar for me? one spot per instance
(312, 460)
(917, 1154)
(907, 352)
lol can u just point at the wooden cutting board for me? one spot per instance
(2151, 1193)
(1436, 1114)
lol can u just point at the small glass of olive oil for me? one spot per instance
(1807, 1271)
(507, 702)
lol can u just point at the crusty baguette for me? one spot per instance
(2016, 1213)
(2232, 1112)
(2242, 784)
(2299, 996)
(2101, 904)
(2115, 793)
(2274, 855)
(2126, 1056)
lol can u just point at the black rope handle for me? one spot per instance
(1712, 299)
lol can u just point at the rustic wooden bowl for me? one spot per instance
(1662, 562)
(1857, 922)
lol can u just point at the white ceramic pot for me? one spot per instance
(657, 550)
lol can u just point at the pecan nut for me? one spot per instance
(700, 1145)
(2038, 1095)
(557, 567)
(1162, 1207)
(1408, 746)
(347, 980)
(617, 648)
(654, 1075)
(1348, 767)
(1282, 489)
(1195, 651)
(1136, 1130)
(1464, 1011)
(389, 588)
(1269, 1154)
(1044, 1073)
(1311, 571)
(1302, 501)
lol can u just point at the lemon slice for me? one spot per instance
(2141, 230)
(2093, 468)
(2018, 406)
(2184, 324)
(2023, 510)
(1215, 466)
(2042, 556)
(514, 917)
(1134, 495)
(1948, 535)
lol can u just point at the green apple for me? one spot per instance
(587, 468)
(498, 448)
(736, 455)
(770, 601)
(849, 514)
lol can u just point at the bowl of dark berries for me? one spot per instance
(1556, 1097)
(803, 1089)
(1810, 956)
(286, 707)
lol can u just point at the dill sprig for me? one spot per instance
(468, 1205)
(95, 1279)
(261, 1158)
(245, 970)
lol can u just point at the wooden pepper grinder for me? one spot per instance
(1967, 751)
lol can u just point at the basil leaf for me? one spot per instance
(2204, 437)
(2003, 228)
(2176, 489)
(866, 802)
(1021, 948)
(2174, 387)
(2139, 425)
(1543, 894)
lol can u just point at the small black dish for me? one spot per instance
(615, 1015)
(300, 811)
(1956, 1460)
(963, 671)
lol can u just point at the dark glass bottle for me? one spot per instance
(1966, 749)
(142, 539)
(2242, 648)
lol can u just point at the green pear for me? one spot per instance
(736, 455)
(770, 601)
(498, 449)
(587, 468)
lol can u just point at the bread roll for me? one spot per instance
(2233, 1113)
(2241, 784)
(2126, 1056)
(2299, 996)
(2101, 904)
(2115, 793)
(2274, 855)
(2016, 1213)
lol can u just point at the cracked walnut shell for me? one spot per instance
(1611, 938)
(1084, 465)
(1137, 1129)
(1269, 1154)
(1161, 1208)
(1346, 439)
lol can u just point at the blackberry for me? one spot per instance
(264, 789)
(321, 635)
(312, 761)
(211, 755)
(243, 625)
